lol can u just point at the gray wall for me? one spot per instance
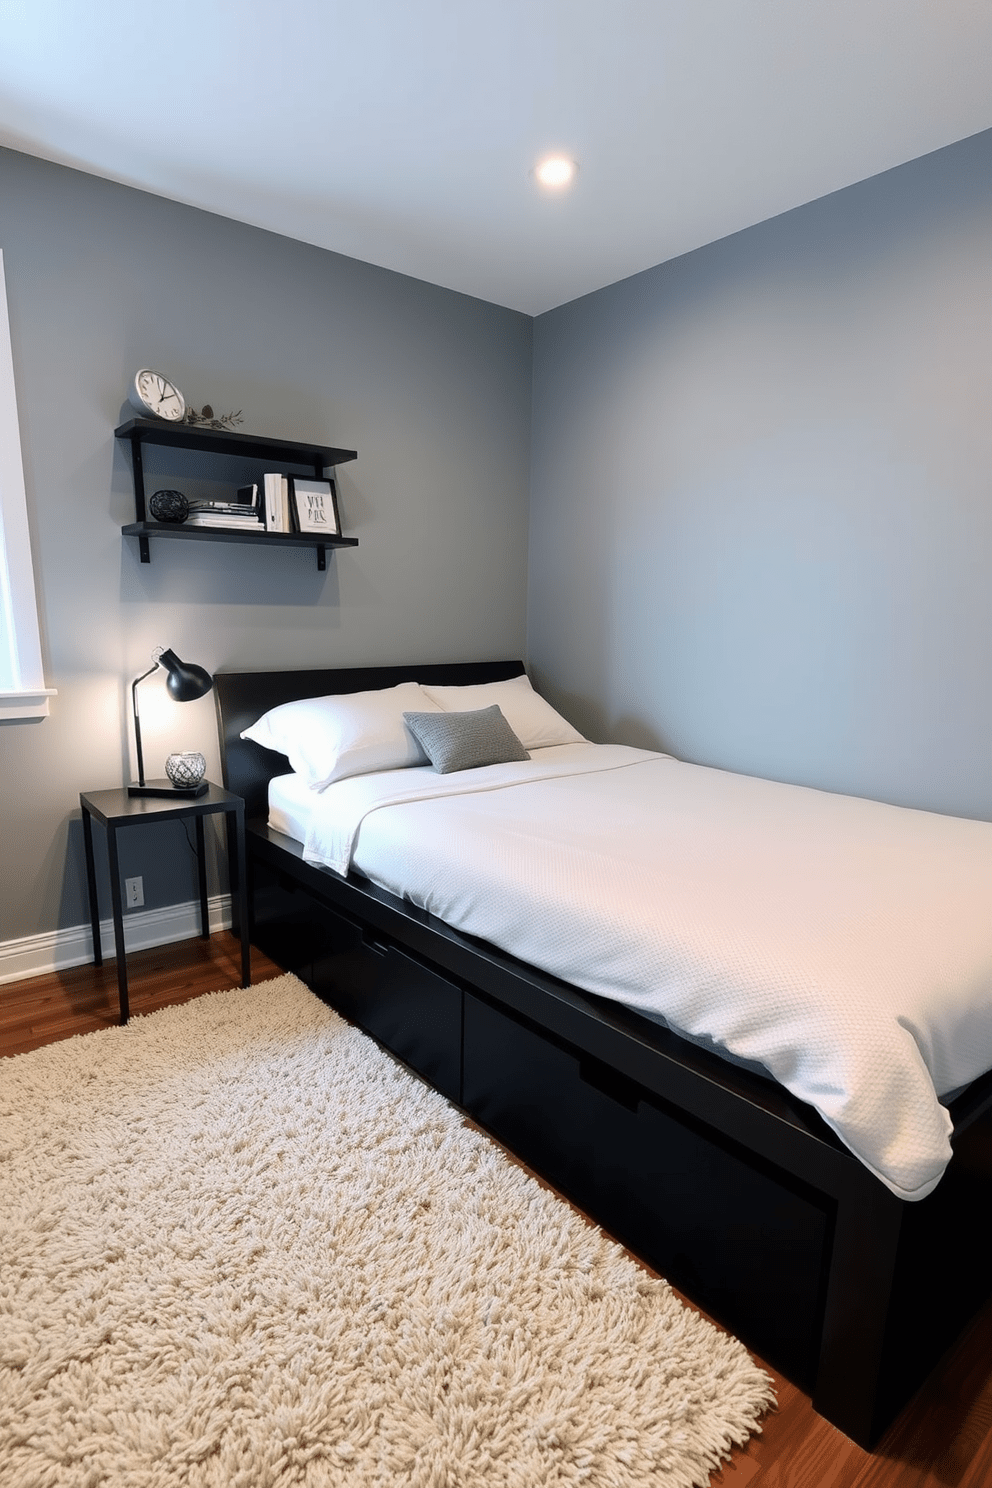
(432, 389)
(761, 521)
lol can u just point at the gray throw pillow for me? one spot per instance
(465, 741)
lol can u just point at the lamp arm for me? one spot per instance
(137, 721)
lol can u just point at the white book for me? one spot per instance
(225, 527)
(204, 519)
(272, 483)
(277, 518)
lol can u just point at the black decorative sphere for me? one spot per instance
(169, 506)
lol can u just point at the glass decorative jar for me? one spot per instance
(186, 769)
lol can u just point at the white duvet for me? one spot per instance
(844, 945)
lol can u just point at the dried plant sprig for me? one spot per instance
(207, 419)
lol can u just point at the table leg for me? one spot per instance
(238, 870)
(201, 862)
(118, 912)
(91, 887)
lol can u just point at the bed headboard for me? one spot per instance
(242, 697)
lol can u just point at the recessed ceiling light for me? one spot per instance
(556, 172)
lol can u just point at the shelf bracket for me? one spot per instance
(321, 557)
(143, 552)
(138, 473)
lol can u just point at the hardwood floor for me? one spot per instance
(42, 1009)
(942, 1440)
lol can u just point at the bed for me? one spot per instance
(725, 1180)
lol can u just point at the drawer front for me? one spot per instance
(418, 1014)
(288, 925)
(411, 1010)
(729, 1231)
(405, 1005)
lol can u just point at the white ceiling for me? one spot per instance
(403, 132)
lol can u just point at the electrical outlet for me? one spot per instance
(134, 893)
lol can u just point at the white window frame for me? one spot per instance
(23, 693)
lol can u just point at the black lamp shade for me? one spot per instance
(186, 682)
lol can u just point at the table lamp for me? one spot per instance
(184, 682)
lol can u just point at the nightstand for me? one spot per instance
(115, 809)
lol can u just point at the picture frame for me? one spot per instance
(314, 506)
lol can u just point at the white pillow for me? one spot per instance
(534, 721)
(351, 733)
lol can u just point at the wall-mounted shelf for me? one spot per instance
(144, 530)
(269, 452)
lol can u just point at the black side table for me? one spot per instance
(116, 810)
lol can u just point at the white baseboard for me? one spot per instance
(37, 954)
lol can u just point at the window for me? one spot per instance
(23, 693)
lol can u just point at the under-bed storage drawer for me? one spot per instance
(407, 1007)
(732, 1233)
(295, 930)
(412, 1010)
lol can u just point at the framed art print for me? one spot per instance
(315, 506)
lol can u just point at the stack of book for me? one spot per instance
(241, 515)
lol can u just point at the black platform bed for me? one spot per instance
(730, 1187)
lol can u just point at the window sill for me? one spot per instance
(29, 703)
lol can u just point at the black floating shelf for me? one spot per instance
(145, 530)
(227, 442)
(279, 452)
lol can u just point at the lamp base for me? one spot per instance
(166, 788)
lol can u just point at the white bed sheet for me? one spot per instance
(842, 944)
(291, 805)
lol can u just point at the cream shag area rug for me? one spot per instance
(241, 1247)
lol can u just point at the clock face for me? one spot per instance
(156, 395)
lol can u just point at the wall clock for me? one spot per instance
(156, 397)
